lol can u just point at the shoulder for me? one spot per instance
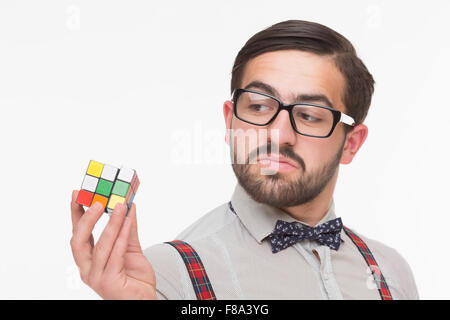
(172, 278)
(395, 268)
(165, 260)
(211, 223)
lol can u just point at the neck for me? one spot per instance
(313, 211)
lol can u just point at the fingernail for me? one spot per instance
(118, 208)
(97, 206)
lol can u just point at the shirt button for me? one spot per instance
(325, 276)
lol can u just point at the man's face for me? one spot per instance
(314, 161)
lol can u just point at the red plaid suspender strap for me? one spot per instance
(200, 281)
(370, 260)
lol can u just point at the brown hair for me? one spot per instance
(319, 39)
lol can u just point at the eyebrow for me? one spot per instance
(318, 97)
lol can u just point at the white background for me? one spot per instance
(119, 81)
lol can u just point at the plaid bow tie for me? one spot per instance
(286, 234)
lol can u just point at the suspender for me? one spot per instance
(204, 290)
(381, 283)
(200, 281)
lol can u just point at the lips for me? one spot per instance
(268, 159)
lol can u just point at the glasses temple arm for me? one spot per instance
(347, 119)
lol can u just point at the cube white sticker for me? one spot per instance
(109, 172)
(89, 183)
(126, 174)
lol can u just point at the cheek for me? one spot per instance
(315, 153)
(247, 137)
(254, 135)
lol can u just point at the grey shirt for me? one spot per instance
(238, 259)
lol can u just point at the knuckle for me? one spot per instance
(74, 244)
(134, 247)
(99, 249)
(120, 242)
(115, 220)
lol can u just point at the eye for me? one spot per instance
(307, 117)
(259, 107)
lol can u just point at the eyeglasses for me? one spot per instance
(307, 119)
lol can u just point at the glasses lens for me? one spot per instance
(312, 120)
(256, 108)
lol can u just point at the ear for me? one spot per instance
(354, 141)
(228, 115)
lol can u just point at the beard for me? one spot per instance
(278, 189)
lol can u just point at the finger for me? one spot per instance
(102, 250)
(76, 209)
(116, 260)
(133, 241)
(82, 235)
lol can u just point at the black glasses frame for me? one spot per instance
(337, 115)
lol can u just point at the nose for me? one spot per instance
(281, 129)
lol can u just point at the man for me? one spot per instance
(300, 94)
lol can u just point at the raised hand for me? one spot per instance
(114, 267)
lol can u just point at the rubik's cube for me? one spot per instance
(108, 185)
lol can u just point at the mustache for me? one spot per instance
(285, 151)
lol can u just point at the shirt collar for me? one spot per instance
(260, 218)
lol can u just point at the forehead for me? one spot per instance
(294, 72)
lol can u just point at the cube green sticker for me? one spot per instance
(120, 188)
(104, 187)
